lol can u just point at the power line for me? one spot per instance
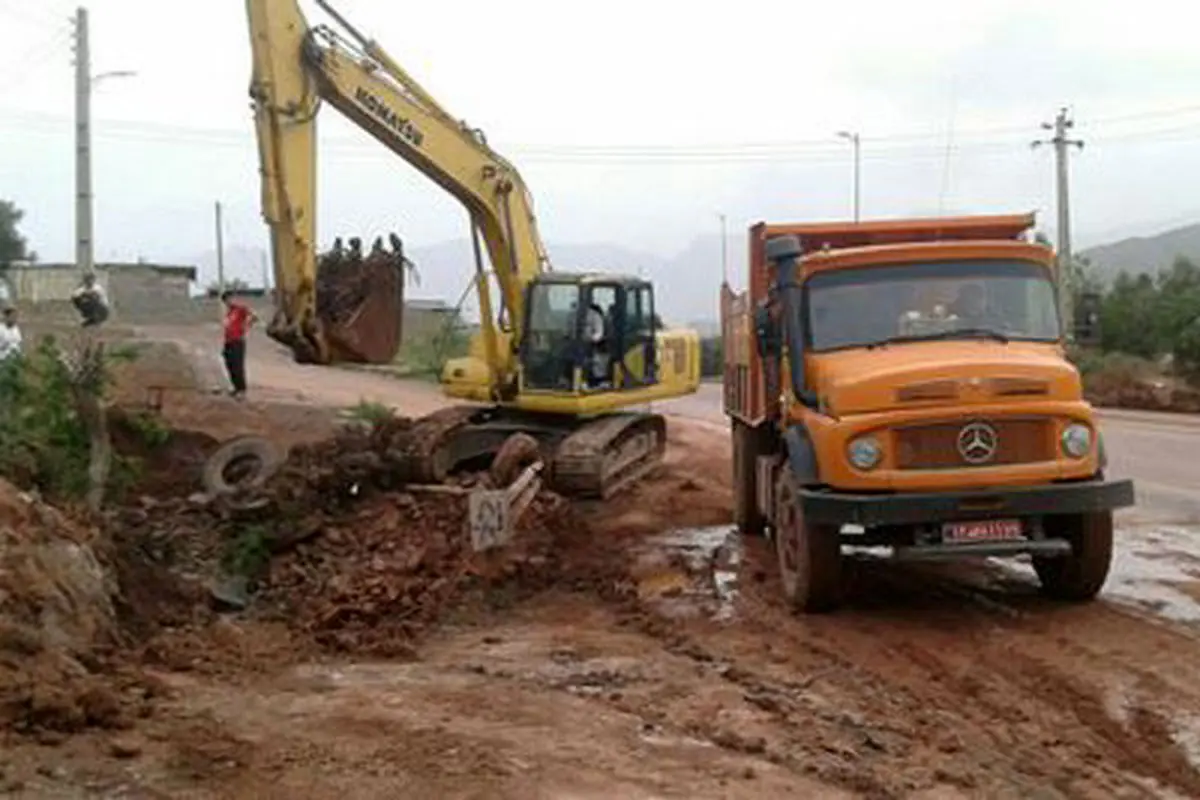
(35, 57)
(889, 148)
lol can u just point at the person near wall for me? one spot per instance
(10, 336)
(10, 357)
(91, 301)
(238, 320)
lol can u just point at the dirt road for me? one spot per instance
(695, 681)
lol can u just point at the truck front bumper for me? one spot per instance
(869, 510)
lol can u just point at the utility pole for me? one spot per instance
(1063, 123)
(85, 244)
(854, 139)
(83, 146)
(220, 252)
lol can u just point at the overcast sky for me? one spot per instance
(632, 122)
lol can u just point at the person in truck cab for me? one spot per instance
(971, 306)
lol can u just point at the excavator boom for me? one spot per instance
(295, 69)
(558, 357)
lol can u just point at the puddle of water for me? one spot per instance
(1186, 735)
(1142, 575)
(1148, 566)
(656, 737)
(691, 570)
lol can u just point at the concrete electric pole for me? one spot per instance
(1062, 123)
(84, 82)
(220, 252)
(83, 145)
(853, 138)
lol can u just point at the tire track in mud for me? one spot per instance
(929, 682)
(958, 677)
(991, 695)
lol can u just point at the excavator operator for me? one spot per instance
(597, 335)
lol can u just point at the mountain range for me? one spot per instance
(1138, 254)
(686, 283)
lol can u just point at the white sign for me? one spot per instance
(488, 518)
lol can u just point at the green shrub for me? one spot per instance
(47, 400)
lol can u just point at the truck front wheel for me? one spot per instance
(809, 556)
(1080, 575)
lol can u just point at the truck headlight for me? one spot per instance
(865, 452)
(1077, 440)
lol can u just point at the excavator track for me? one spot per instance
(590, 458)
(607, 454)
(429, 454)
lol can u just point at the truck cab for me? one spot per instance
(904, 383)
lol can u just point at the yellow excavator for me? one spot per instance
(562, 357)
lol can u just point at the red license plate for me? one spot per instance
(988, 530)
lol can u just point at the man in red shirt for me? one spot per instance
(238, 319)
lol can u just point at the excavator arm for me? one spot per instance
(566, 373)
(295, 69)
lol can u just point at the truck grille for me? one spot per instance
(936, 446)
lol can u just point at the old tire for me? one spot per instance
(241, 464)
(809, 556)
(1079, 576)
(518, 452)
(747, 447)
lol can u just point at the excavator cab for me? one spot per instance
(587, 333)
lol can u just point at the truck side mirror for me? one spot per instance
(783, 252)
(766, 333)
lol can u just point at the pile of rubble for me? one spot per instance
(58, 624)
(376, 578)
(351, 559)
(337, 546)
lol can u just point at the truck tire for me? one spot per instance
(809, 556)
(746, 449)
(240, 464)
(1079, 576)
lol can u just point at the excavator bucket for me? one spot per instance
(360, 301)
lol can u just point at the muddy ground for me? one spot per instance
(633, 651)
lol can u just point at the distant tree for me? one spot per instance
(1187, 349)
(1127, 317)
(1178, 300)
(13, 246)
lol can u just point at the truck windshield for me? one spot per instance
(867, 306)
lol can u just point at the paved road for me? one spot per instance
(1161, 452)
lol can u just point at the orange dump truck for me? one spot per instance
(904, 383)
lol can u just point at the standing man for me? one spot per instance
(238, 319)
(10, 336)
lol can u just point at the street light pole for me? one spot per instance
(85, 81)
(853, 138)
(83, 142)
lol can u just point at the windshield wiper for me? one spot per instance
(965, 333)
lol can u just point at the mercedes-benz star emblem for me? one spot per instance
(977, 443)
